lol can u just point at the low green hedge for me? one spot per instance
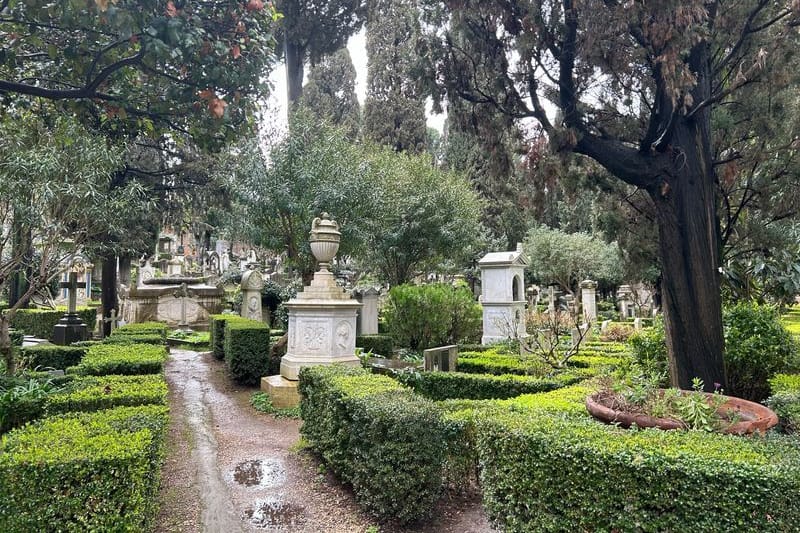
(490, 362)
(449, 385)
(92, 393)
(377, 344)
(377, 435)
(146, 338)
(218, 333)
(785, 400)
(141, 328)
(247, 350)
(16, 337)
(553, 468)
(83, 472)
(40, 322)
(52, 356)
(122, 359)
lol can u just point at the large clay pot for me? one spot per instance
(752, 417)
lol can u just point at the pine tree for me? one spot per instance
(394, 111)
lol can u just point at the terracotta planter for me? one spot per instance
(752, 417)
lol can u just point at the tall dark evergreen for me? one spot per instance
(330, 93)
(312, 29)
(394, 110)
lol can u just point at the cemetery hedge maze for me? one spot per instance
(90, 455)
(542, 462)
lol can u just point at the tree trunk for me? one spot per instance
(689, 251)
(294, 56)
(108, 288)
(125, 270)
(6, 350)
(21, 247)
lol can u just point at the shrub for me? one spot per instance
(649, 349)
(377, 344)
(247, 350)
(376, 435)
(448, 385)
(756, 347)
(785, 400)
(146, 338)
(142, 328)
(218, 334)
(424, 316)
(40, 322)
(93, 393)
(51, 356)
(83, 472)
(617, 333)
(22, 401)
(545, 472)
(122, 359)
(16, 337)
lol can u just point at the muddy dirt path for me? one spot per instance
(232, 469)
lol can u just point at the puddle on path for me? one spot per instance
(260, 473)
(274, 514)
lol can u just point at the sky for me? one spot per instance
(357, 46)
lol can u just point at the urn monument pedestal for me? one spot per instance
(322, 320)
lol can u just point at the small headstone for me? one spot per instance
(441, 359)
(637, 323)
(252, 283)
(604, 325)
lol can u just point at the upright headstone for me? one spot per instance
(70, 328)
(604, 325)
(441, 359)
(252, 283)
(367, 323)
(552, 298)
(624, 299)
(503, 295)
(145, 273)
(174, 267)
(588, 299)
(637, 323)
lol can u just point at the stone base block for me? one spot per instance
(282, 392)
(70, 329)
(291, 365)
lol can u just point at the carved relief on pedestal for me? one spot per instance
(343, 333)
(314, 336)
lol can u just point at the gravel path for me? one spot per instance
(232, 469)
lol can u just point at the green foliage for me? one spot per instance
(142, 328)
(785, 400)
(217, 332)
(617, 332)
(544, 472)
(376, 344)
(262, 403)
(425, 316)
(40, 322)
(757, 346)
(649, 349)
(330, 92)
(450, 385)
(83, 472)
(568, 258)
(93, 393)
(52, 356)
(246, 348)
(17, 337)
(135, 339)
(387, 442)
(500, 362)
(122, 359)
(22, 402)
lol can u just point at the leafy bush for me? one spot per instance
(218, 333)
(83, 472)
(785, 400)
(546, 472)
(377, 344)
(247, 350)
(148, 338)
(22, 402)
(40, 322)
(424, 316)
(142, 328)
(16, 337)
(448, 385)
(262, 403)
(93, 393)
(51, 356)
(756, 347)
(386, 441)
(649, 349)
(122, 359)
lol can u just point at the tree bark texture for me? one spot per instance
(294, 56)
(108, 288)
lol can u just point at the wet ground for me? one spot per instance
(232, 469)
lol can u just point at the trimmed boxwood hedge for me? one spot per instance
(247, 350)
(218, 333)
(785, 400)
(17, 337)
(92, 393)
(447, 385)
(141, 328)
(123, 359)
(40, 322)
(553, 468)
(377, 435)
(52, 356)
(378, 344)
(83, 472)
(151, 338)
